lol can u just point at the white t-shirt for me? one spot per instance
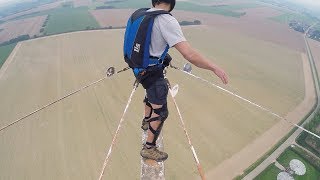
(166, 30)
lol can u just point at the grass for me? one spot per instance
(285, 158)
(5, 52)
(265, 156)
(270, 172)
(69, 19)
(305, 137)
(287, 17)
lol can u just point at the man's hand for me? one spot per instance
(200, 61)
(221, 74)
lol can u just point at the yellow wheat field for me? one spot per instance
(70, 139)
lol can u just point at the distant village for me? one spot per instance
(313, 33)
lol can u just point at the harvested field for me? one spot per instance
(112, 17)
(69, 140)
(237, 163)
(34, 10)
(79, 3)
(219, 3)
(261, 13)
(13, 29)
(255, 24)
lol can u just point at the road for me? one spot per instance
(291, 140)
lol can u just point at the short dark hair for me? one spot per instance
(171, 2)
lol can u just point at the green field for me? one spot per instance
(305, 137)
(5, 52)
(287, 17)
(285, 158)
(65, 19)
(269, 173)
(70, 19)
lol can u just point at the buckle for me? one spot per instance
(142, 73)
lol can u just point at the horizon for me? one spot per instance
(305, 2)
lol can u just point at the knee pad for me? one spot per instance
(163, 115)
(162, 112)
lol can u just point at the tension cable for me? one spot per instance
(110, 72)
(187, 70)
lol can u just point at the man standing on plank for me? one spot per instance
(150, 33)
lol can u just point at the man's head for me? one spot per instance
(171, 3)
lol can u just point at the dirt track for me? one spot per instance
(240, 161)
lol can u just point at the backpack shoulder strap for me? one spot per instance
(144, 12)
(138, 37)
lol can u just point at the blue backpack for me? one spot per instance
(137, 41)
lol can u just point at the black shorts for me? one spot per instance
(157, 93)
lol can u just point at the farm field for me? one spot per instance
(254, 24)
(70, 19)
(112, 17)
(79, 3)
(38, 9)
(69, 140)
(230, 10)
(5, 52)
(28, 26)
(287, 17)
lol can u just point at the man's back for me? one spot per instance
(166, 30)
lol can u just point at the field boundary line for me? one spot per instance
(263, 142)
(294, 132)
(9, 60)
(73, 32)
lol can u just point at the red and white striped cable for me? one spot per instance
(117, 132)
(200, 170)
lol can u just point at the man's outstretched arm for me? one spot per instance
(200, 61)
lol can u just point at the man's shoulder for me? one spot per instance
(166, 18)
(163, 17)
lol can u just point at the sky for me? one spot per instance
(307, 2)
(4, 2)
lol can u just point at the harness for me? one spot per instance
(137, 42)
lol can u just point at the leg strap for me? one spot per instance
(149, 105)
(163, 114)
(156, 133)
